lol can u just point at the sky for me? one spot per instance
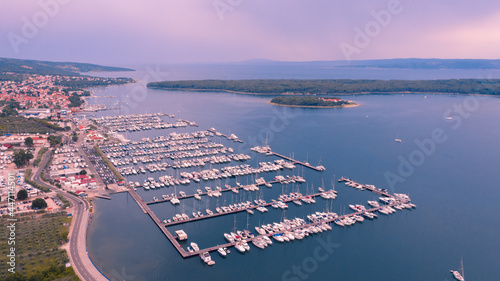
(126, 32)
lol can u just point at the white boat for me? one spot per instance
(239, 247)
(457, 275)
(197, 196)
(222, 251)
(205, 257)
(229, 237)
(195, 246)
(397, 140)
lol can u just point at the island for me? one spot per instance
(312, 102)
(333, 86)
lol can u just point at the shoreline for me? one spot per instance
(318, 95)
(315, 106)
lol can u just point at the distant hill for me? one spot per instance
(394, 63)
(54, 68)
(431, 63)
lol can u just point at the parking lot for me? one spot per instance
(107, 176)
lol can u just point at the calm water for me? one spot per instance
(455, 187)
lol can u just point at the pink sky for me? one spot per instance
(126, 31)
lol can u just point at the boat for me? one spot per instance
(205, 257)
(195, 246)
(397, 140)
(239, 247)
(229, 237)
(222, 251)
(456, 274)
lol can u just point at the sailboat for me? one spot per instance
(457, 274)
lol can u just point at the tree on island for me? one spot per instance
(22, 157)
(39, 203)
(22, 194)
(28, 141)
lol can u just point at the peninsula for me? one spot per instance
(334, 86)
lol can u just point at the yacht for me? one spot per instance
(205, 257)
(457, 275)
(239, 247)
(195, 246)
(222, 251)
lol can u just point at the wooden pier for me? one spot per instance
(305, 164)
(228, 245)
(206, 193)
(186, 254)
(253, 206)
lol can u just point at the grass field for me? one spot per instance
(37, 242)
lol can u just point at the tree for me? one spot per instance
(39, 203)
(82, 172)
(28, 141)
(54, 140)
(22, 157)
(22, 194)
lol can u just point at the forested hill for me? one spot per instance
(51, 68)
(338, 87)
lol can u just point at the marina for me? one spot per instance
(351, 145)
(201, 150)
(323, 219)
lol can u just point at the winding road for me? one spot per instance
(82, 265)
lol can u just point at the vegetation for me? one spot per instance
(10, 108)
(54, 140)
(64, 200)
(39, 203)
(54, 68)
(74, 137)
(22, 194)
(82, 172)
(75, 84)
(39, 256)
(39, 156)
(22, 157)
(308, 101)
(15, 124)
(111, 167)
(330, 86)
(28, 141)
(27, 179)
(75, 101)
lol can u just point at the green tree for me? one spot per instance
(22, 194)
(54, 140)
(22, 157)
(82, 172)
(28, 141)
(39, 203)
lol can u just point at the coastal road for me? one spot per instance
(79, 258)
